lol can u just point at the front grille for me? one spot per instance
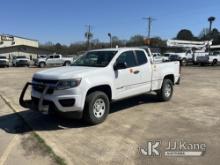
(41, 86)
(2, 62)
(22, 62)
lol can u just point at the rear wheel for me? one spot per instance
(166, 91)
(67, 63)
(96, 108)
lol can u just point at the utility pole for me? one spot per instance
(149, 20)
(88, 35)
(110, 37)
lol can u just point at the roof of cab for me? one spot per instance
(119, 49)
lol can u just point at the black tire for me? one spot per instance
(90, 114)
(42, 64)
(162, 93)
(183, 62)
(214, 62)
(67, 63)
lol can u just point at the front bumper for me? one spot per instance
(46, 101)
(3, 64)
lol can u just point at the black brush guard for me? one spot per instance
(29, 103)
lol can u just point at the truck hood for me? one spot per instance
(64, 72)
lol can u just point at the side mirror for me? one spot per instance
(121, 65)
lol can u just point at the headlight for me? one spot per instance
(66, 84)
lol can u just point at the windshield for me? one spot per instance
(20, 57)
(95, 59)
(2, 57)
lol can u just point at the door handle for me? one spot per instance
(136, 72)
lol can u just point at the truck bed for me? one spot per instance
(160, 69)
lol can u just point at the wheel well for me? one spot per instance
(215, 60)
(104, 88)
(170, 77)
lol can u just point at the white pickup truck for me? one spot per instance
(20, 61)
(4, 62)
(212, 58)
(98, 78)
(53, 60)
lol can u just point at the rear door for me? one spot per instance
(50, 59)
(57, 60)
(145, 70)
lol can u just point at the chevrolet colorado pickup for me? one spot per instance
(98, 78)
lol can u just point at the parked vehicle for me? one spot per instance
(191, 50)
(98, 78)
(54, 60)
(212, 58)
(157, 57)
(183, 58)
(4, 62)
(21, 61)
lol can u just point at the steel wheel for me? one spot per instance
(167, 90)
(99, 108)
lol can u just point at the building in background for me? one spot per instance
(11, 46)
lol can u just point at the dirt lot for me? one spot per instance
(193, 115)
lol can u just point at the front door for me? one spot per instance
(127, 80)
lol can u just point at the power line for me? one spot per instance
(149, 20)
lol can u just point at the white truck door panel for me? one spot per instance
(57, 60)
(49, 61)
(144, 67)
(127, 81)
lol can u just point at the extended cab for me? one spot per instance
(99, 77)
(54, 60)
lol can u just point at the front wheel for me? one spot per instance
(42, 65)
(214, 62)
(184, 62)
(166, 91)
(96, 107)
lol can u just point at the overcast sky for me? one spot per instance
(64, 21)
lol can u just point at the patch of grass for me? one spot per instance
(48, 149)
(40, 141)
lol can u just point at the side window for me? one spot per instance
(127, 57)
(51, 57)
(56, 56)
(141, 57)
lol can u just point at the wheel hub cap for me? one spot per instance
(168, 90)
(99, 108)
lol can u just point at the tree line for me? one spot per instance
(136, 40)
(79, 47)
